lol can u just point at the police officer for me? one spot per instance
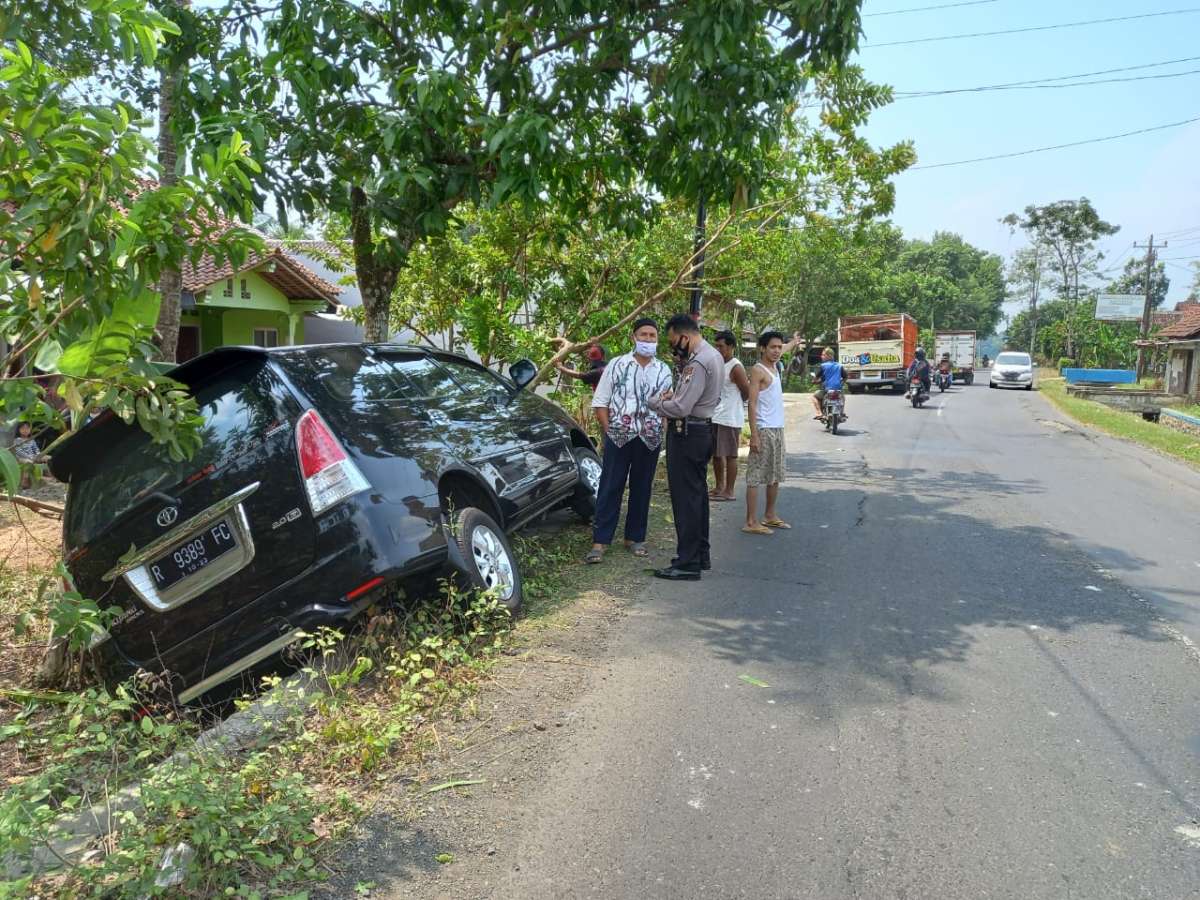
(689, 409)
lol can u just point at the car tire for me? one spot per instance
(488, 556)
(991, 384)
(588, 464)
(1029, 387)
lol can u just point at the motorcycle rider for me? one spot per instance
(832, 377)
(920, 368)
(945, 367)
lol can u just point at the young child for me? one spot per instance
(26, 450)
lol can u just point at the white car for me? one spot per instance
(1012, 370)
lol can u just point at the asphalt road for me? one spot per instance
(975, 681)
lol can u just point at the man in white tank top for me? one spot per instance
(768, 453)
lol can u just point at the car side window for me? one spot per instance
(350, 376)
(424, 379)
(476, 381)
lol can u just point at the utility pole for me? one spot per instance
(1146, 309)
(1033, 297)
(698, 261)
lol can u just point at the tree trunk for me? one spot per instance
(170, 282)
(375, 282)
(376, 308)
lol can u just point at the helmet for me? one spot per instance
(920, 353)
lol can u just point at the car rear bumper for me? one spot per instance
(329, 593)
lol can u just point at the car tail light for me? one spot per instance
(330, 476)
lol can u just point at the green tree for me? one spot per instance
(395, 115)
(85, 237)
(1069, 230)
(803, 278)
(1029, 272)
(1133, 281)
(946, 283)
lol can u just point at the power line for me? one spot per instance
(897, 12)
(1040, 85)
(1026, 30)
(1188, 230)
(1110, 137)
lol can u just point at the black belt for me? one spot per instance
(692, 420)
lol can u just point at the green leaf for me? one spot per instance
(750, 679)
(446, 785)
(47, 357)
(11, 470)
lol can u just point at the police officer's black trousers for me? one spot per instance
(688, 455)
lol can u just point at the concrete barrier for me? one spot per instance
(1148, 404)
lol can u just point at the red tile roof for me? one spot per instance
(1188, 325)
(294, 279)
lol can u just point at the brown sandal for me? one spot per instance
(757, 529)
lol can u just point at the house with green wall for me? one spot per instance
(263, 302)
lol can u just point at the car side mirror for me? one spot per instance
(522, 373)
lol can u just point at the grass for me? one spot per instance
(1125, 425)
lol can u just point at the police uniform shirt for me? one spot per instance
(699, 389)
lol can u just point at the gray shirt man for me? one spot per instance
(699, 389)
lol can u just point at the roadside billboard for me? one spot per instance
(1119, 307)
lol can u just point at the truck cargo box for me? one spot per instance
(876, 350)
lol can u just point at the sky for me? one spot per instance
(1148, 183)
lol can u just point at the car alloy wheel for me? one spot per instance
(487, 557)
(583, 501)
(590, 469)
(493, 562)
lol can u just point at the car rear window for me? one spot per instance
(238, 405)
(1013, 359)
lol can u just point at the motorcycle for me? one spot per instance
(944, 380)
(831, 411)
(916, 392)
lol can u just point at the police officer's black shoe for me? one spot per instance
(674, 574)
(704, 566)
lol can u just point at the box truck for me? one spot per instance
(961, 347)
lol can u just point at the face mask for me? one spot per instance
(680, 349)
(645, 348)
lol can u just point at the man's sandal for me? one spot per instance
(638, 549)
(594, 556)
(776, 523)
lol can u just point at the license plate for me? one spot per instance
(193, 555)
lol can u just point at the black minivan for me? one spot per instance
(325, 474)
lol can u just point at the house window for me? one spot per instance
(266, 337)
(228, 292)
(245, 290)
